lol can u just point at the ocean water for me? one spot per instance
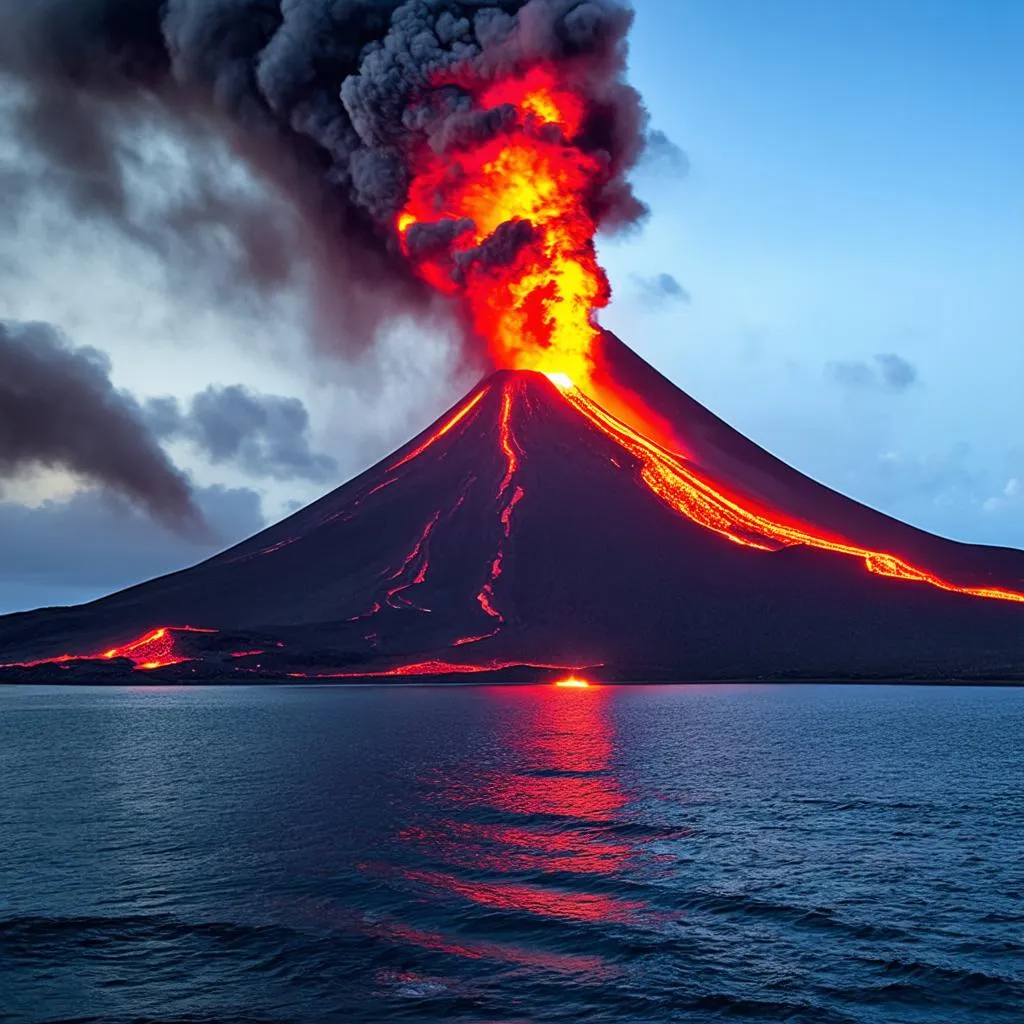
(697, 853)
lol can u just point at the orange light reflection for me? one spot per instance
(532, 836)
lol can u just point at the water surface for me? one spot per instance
(805, 853)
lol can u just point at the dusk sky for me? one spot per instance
(834, 268)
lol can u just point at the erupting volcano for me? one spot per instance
(575, 511)
(530, 534)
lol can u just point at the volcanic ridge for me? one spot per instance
(530, 533)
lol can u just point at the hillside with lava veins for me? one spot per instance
(530, 532)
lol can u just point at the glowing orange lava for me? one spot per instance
(431, 667)
(416, 557)
(510, 450)
(506, 223)
(454, 420)
(681, 486)
(573, 683)
(155, 649)
(522, 249)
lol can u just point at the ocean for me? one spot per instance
(694, 853)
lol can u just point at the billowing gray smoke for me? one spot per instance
(264, 435)
(58, 408)
(325, 100)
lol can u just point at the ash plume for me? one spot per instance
(662, 154)
(326, 101)
(59, 409)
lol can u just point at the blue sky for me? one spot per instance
(856, 187)
(855, 190)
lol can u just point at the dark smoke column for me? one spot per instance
(331, 102)
(327, 100)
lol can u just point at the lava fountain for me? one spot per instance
(506, 224)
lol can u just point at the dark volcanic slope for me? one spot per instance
(733, 458)
(513, 531)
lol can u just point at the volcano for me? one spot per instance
(530, 531)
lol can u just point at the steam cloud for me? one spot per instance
(58, 408)
(663, 154)
(658, 289)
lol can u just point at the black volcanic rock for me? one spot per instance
(398, 567)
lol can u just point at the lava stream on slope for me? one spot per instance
(154, 649)
(668, 479)
(682, 487)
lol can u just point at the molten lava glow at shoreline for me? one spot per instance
(152, 650)
(431, 667)
(572, 683)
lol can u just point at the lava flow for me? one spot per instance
(431, 667)
(155, 649)
(505, 223)
(508, 497)
(684, 488)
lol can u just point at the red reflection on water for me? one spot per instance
(392, 930)
(544, 900)
(558, 804)
(565, 757)
(477, 949)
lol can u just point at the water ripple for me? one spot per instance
(829, 855)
